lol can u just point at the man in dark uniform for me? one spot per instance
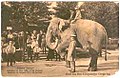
(22, 38)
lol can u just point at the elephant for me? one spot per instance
(59, 32)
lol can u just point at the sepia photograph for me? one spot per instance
(59, 38)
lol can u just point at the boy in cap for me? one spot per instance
(77, 15)
(10, 50)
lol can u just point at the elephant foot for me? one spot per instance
(89, 68)
(100, 54)
(62, 59)
(72, 70)
(68, 66)
(92, 69)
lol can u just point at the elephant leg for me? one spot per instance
(100, 52)
(74, 66)
(59, 57)
(90, 64)
(56, 56)
(93, 62)
(67, 64)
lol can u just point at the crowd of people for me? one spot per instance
(30, 42)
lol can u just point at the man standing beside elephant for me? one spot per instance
(72, 53)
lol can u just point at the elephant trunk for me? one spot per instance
(51, 40)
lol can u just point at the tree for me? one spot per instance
(63, 9)
(23, 14)
(105, 13)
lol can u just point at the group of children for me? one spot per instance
(35, 44)
(32, 45)
(33, 49)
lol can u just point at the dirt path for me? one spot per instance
(57, 68)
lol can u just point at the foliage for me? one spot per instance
(63, 9)
(22, 14)
(106, 13)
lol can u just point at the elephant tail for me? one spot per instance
(106, 42)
